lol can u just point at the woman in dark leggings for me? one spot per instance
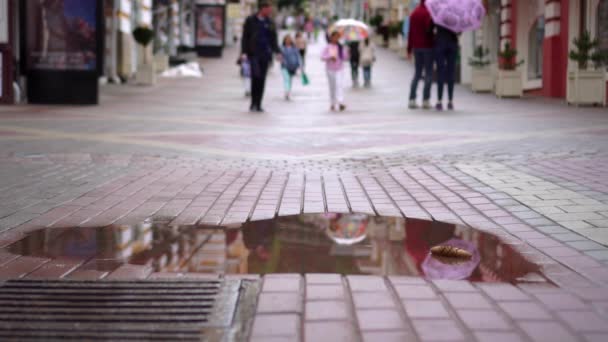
(446, 51)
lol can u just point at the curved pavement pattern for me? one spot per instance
(532, 170)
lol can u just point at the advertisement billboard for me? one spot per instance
(210, 25)
(62, 35)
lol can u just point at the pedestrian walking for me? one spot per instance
(446, 52)
(290, 64)
(309, 28)
(334, 55)
(367, 58)
(353, 49)
(258, 45)
(420, 44)
(301, 44)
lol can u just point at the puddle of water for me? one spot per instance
(310, 243)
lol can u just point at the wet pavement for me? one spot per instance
(346, 244)
(529, 172)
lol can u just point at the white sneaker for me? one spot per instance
(413, 104)
(426, 105)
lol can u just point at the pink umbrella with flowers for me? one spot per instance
(457, 15)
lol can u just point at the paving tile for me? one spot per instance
(524, 310)
(596, 337)
(547, 331)
(425, 309)
(454, 286)
(326, 310)
(484, 320)
(388, 336)
(287, 325)
(373, 300)
(270, 302)
(313, 278)
(323, 292)
(415, 292)
(438, 330)
(584, 321)
(560, 301)
(468, 301)
(281, 284)
(379, 320)
(503, 292)
(498, 337)
(329, 331)
(366, 283)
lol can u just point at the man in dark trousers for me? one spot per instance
(258, 45)
(421, 42)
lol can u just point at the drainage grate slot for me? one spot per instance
(115, 310)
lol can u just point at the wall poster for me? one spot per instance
(210, 25)
(62, 35)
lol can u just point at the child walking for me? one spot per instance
(290, 64)
(334, 56)
(367, 59)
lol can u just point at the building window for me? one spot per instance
(535, 49)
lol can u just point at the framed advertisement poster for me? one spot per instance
(210, 28)
(62, 44)
(210, 25)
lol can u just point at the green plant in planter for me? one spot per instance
(599, 58)
(508, 58)
(586, 50)
(480, 57)
(143, 36)
(395, 29)
(376, 21)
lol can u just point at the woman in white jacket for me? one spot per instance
(367, 57)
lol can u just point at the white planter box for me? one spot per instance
(161, 60)
(586, 87)
(509, 84)
(146, 74)
(482, 79)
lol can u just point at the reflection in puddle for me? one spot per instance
(311, 243)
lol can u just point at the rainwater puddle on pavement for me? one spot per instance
(309, 243)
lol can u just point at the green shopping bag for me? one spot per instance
(305, 80)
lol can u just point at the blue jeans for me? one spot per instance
(367, 74)
(423, 60)
(446, 54)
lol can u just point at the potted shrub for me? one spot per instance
(146, 71)
(586, 83)
(509, 80)
(481, 75)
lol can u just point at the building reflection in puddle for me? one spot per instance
(310, 243)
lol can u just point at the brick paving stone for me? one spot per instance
(483, 320)
(560, 301)
(326, 310)
(270, 302)
(415, 292)
(323, 292)
(454, 286)
(56, 268)
(330, 331)
(373, 300)
(366, 283)
(379, 320)
(586, 321)
(438, 330)
(282, 284)
(20, 267)
(547, 331)
(286, 325)
(596, 337)
(388, 336)
(130, 272)
(398, 280)
(498, 337)
(425, 309)
(468, 301)
(524, 310)
(312, 278)
(503, 292)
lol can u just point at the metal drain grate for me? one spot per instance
(115, 310)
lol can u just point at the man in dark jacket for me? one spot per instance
(420, 42)
(258, 45)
